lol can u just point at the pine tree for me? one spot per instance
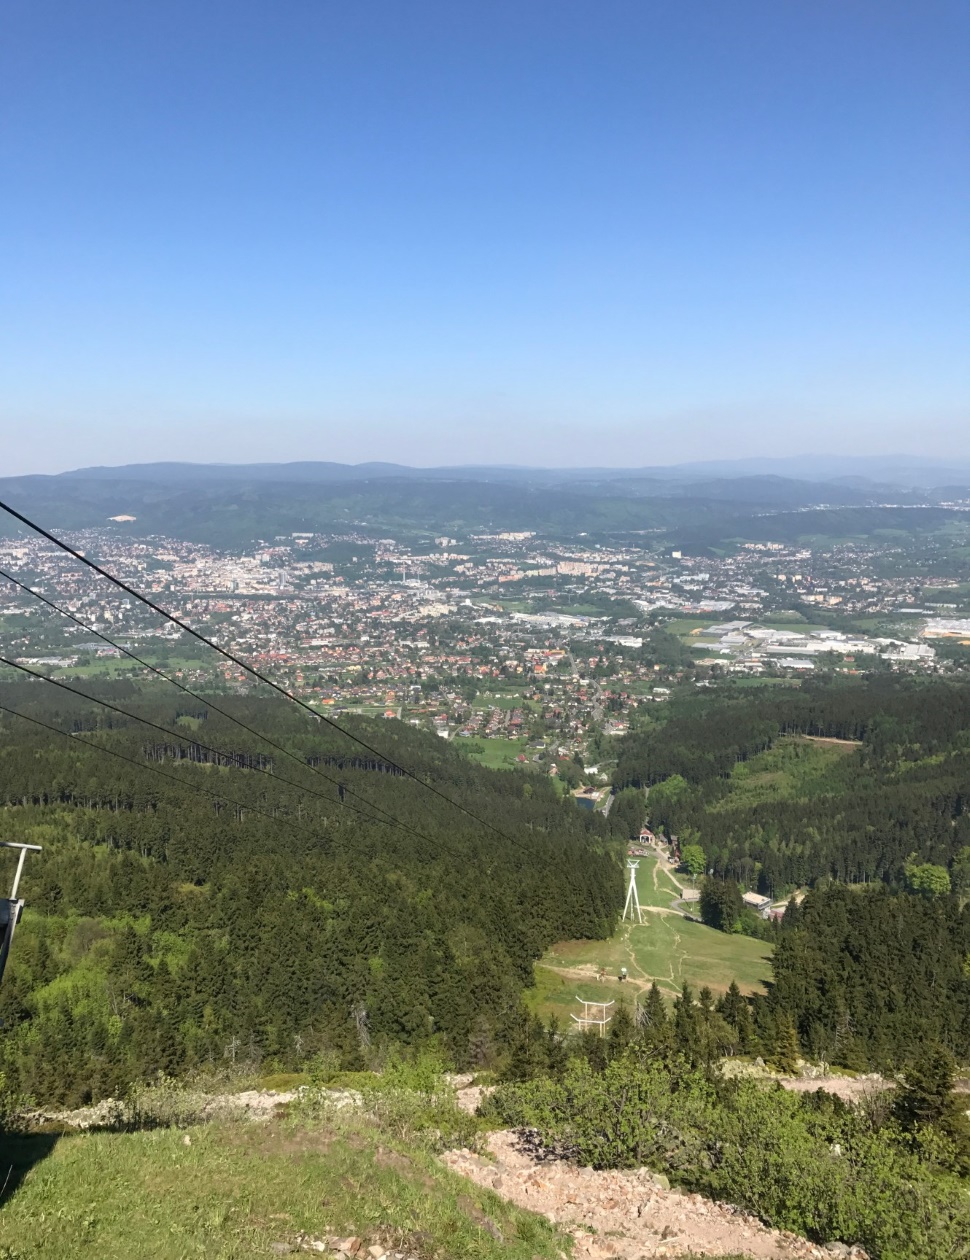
(926, 1098)
(620, 1032)
(592, 1047)
(736, 1011)
(557, 1057)
(529, 1055)
(787, 1050)
(747, 1032)
(481, 1044)
(653, 1022)
(927, 1089)
(731, 1003)
(792, 915)
(686, 1031)
(651, 1013)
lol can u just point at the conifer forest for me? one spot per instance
(168, 928)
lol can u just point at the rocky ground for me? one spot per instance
(252, 1104)
(627, 1215)
(340, 1248)
(851, 1089)
(634, 1215)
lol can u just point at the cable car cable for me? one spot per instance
(167, 730)
(240, 663)
(342, 787)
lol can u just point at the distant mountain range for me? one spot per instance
(697, 506)
(862, 471)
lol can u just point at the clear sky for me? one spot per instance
(520, 231)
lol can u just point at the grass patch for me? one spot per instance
(497, 700)
(283, 1080)
(580, 610)
(685, 627)
(227, 1191)
(791, 683)
(496, 754)
(113, 666)
(666, 948)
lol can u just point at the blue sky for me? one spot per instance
(525, 232)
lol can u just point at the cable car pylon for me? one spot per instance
(11, 908)
(632, 905)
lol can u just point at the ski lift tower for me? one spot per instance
(12, 907)
(632, 906)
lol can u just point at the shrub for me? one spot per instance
(12, 1105)
(411, 1100)
(813, 1169)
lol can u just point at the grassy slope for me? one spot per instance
(666, 948)
(796, 768)
(496, 754)
(238, 1188)
(672, 950)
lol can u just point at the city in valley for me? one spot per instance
(524, 649)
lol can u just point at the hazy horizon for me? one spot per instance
(891, 469)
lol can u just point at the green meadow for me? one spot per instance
(497, 754)
(235, 1190)
(667, 948)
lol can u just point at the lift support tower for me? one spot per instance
(632, 906)
(12, 907)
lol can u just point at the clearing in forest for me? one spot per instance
(795, 768)
(666, 947)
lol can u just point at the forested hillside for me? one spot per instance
(234, 514)
(774, 811)
(232, 507)
(869, 979)
(168, 928)
(860, 792)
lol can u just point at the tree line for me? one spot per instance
(898, 799)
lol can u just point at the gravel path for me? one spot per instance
(253, 1104)
(628, 1215)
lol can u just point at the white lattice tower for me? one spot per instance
(632, 904)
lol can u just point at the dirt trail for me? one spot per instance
(627, 1215)
(253, 1104)
(661, 862)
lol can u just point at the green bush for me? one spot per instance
(811, 1167)
(411, 1100)
(12, 1105)
(165, 1103)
